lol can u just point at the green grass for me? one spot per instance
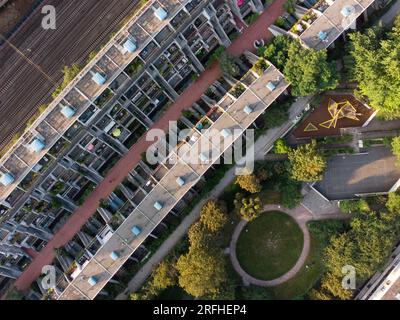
(306, 278)
(271, 246)
(313, 268)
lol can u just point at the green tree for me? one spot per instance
(396, 148)
(376, 68)
(164, 276)
(56, 203)
(216, 55)
(249, 208)
(365, 246)
(275, 116)
(135, 296)
(393, 203)
(228, 65)
(289, 6)
(280, 147)
(262, 174)
(340, 252)
(308, 70)
(260, 66)
(277, 51)
(14, 294)
(202, 272)
(249, 182)
(319, 295)
(214, 215)
(306, 163)
(353, 206)
(69, 74)
(200, 236)
(333, 285)
(291, 193)
(57, 188)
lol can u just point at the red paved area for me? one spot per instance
(321, 114)
(258, 30)
(32, 253)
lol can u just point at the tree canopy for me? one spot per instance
(309, 71)
(280, 147)
(354, 206)
(396, 148)
(202, 273)
(249, 208)
(365, 246)
(213, 215)
(249, 182)
(291, 193)
(69, 74)
(393, 203)
(164, 276)
(228, 65)
(376, 68)
(277, 51)
(331, 288)
(306, 163)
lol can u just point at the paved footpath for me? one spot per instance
(263, 143)
(258, 30)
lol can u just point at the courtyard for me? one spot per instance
(270, 246)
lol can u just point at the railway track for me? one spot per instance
(20, 107)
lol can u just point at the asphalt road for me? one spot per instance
(82, 27)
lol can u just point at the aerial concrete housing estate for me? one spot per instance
(108, 107)
(97, 118)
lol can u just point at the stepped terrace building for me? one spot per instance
(100, 115)
(70, 148)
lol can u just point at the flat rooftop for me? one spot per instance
(83, 91)
(333, 22)
(167, 192)
(350, 175)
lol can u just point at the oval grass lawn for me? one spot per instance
(271, 246)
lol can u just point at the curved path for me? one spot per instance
(302, 216)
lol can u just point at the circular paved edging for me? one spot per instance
(301, 216)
